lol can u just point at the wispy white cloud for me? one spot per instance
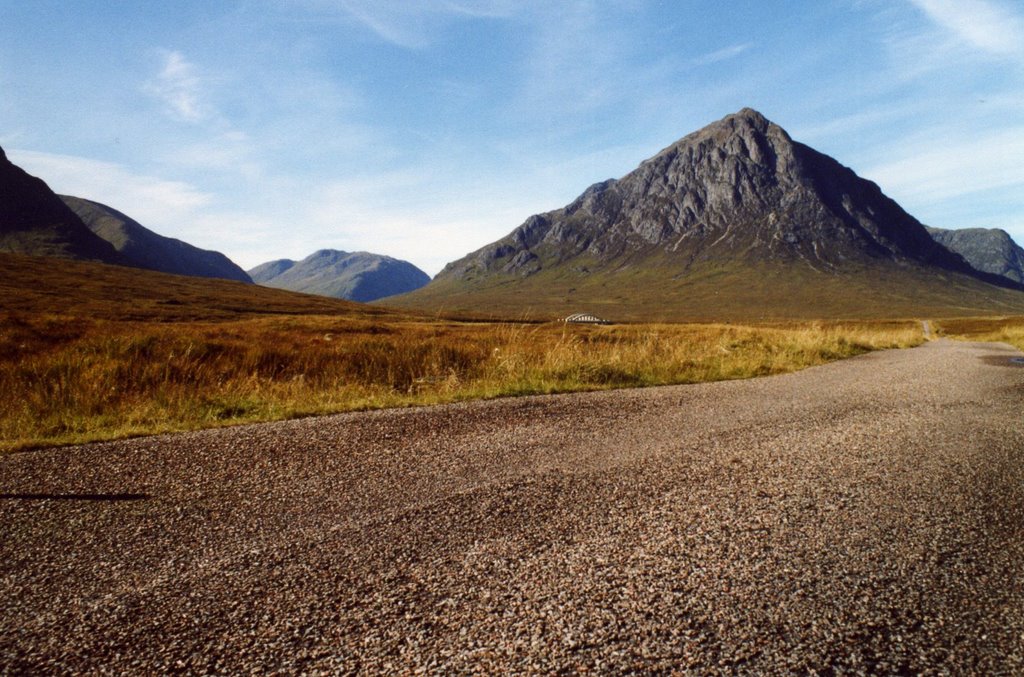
(721, 54)
(575, 64)
(248, 238)
(229, 152)
(398, 29)
(482, 9)
(395, 213)
(411, 24)
(171, 208)
(10, 138)
(931, 172)
(178, 87)
(984, 24)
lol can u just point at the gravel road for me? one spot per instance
(864, 516)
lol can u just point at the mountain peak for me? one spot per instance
(737, 191)
(745, 117)
(746, 133)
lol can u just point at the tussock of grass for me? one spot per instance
(68, 379)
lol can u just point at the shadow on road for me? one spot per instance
(74, 497)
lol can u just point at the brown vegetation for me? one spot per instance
(72, 379)
(39, 284)
(92, 352)
(999, 329)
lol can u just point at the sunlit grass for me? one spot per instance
(67, 379)
(996, 329)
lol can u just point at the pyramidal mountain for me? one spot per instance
(988, 249)
(356, 276)
(736, 220)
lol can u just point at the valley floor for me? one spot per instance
(863, 515)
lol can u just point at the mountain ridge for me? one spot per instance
(711, 203)
(355, 276)
(144, 248)
(33, 220)
(991, 250)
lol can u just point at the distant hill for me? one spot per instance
(33, 220)
(143, 248)
(358, 276)
(269, 270)
(734, 221)
(989, 249)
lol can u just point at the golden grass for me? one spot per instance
(68, 379)
(995, 329)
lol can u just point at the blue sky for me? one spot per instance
(425, 129)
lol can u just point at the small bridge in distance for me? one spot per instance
(585, 318)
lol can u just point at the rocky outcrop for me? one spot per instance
(988, 249)
(358, 276)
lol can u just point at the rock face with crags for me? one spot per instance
(734, 221)
(740, 188)
(989, 249)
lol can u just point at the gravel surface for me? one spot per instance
(866, 516)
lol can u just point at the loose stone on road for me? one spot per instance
(863, 516)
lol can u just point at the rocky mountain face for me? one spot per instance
(33, 220)
(357, 276)
(988, 249)
(142, 248)
(740, 188)
(736, 220)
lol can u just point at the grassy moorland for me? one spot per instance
(75, 379)
(999, 329)
(91, 352)
(756, 292)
